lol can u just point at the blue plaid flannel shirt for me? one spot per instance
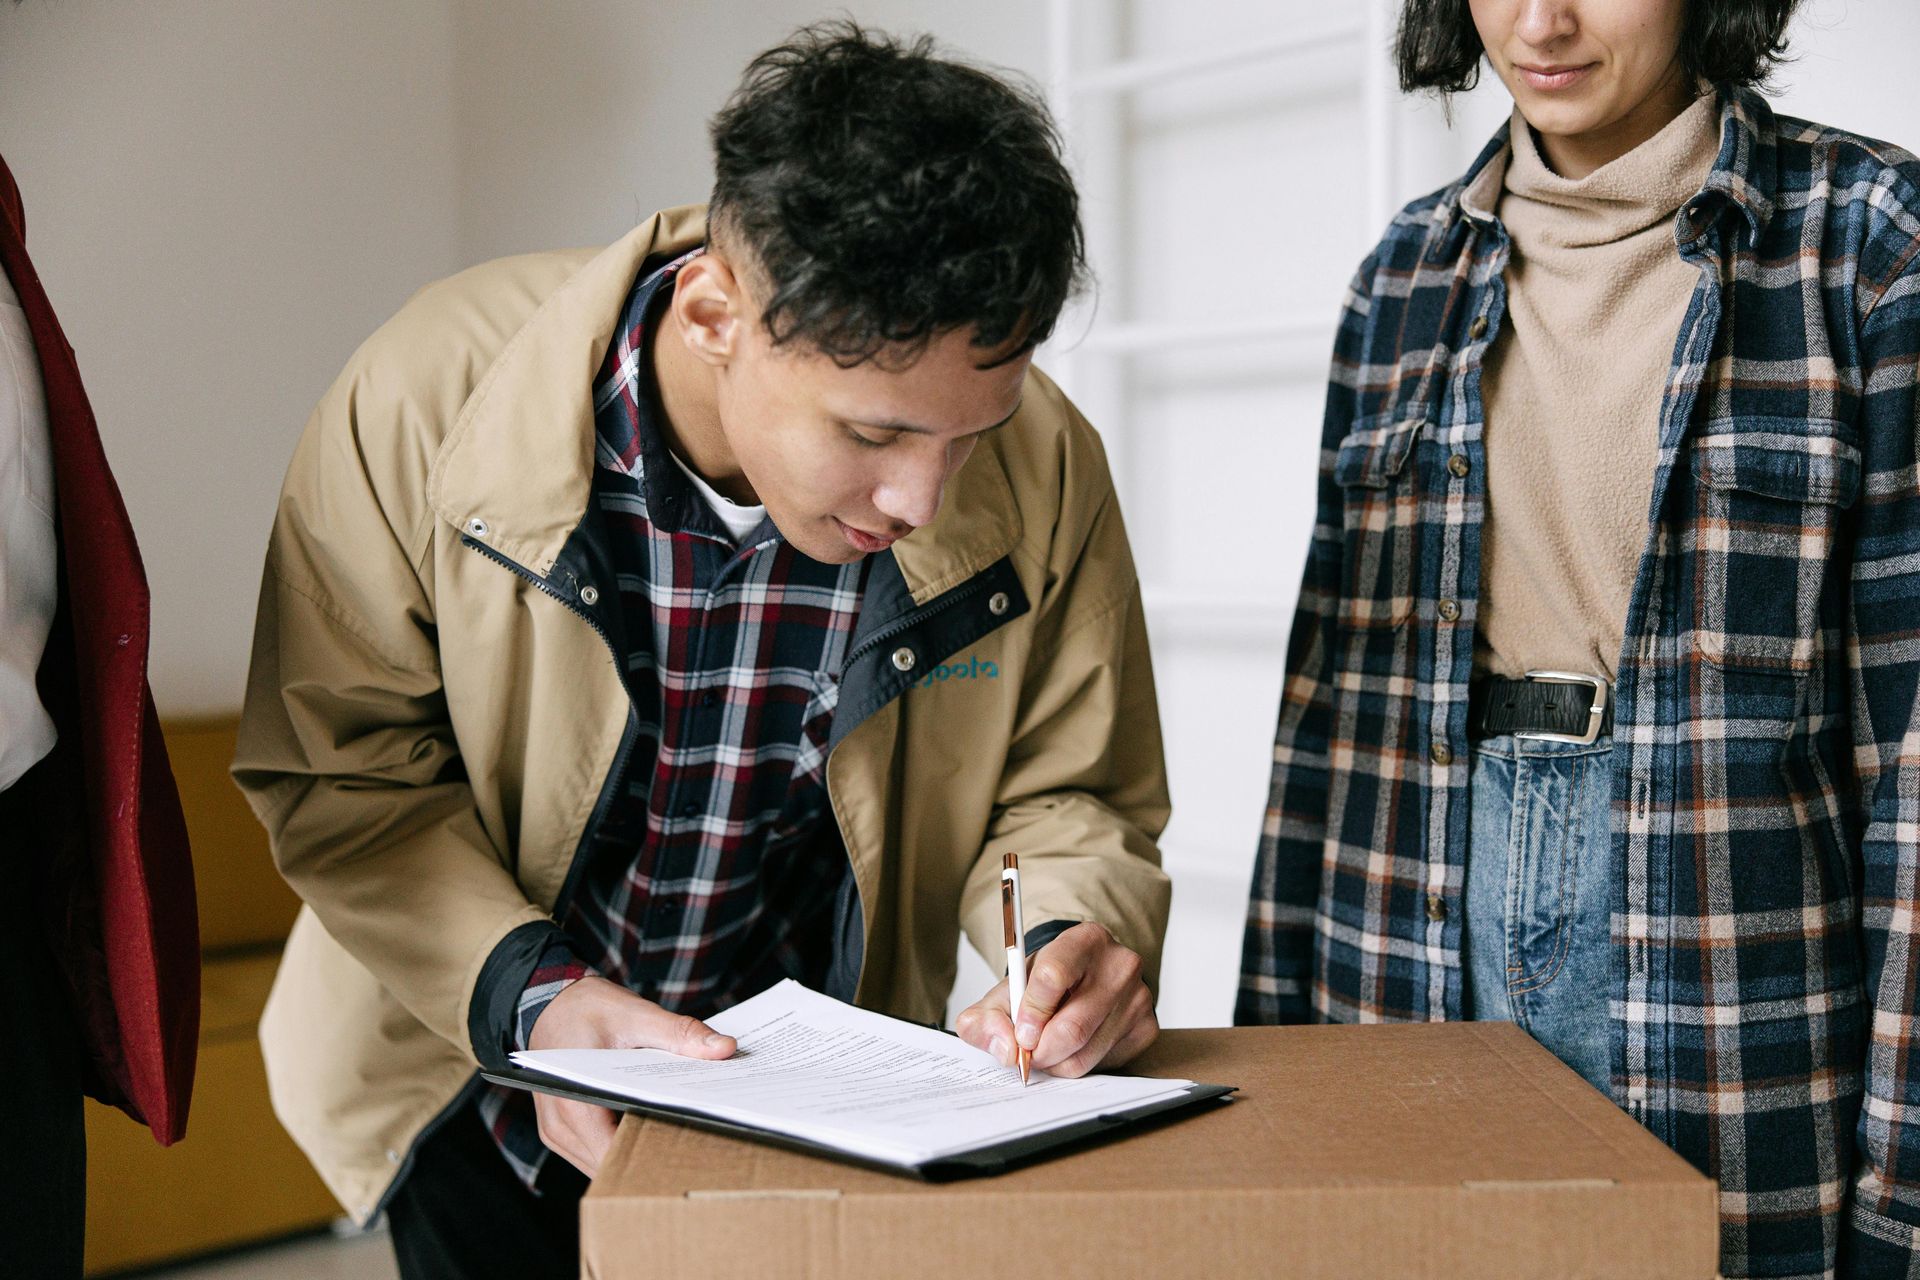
(1766, 806)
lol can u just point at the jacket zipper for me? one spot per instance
(628, 735)
(915, 618)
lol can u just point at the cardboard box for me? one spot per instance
(243, 901)
(236, 1177)
(1443, 1150)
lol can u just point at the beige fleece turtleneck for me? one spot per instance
(1596, 292)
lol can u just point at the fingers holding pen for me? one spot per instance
(988, 1024)
(1086, 1003)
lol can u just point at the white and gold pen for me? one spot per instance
(1016, 932)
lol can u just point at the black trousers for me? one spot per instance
(43, 1162)
(461, 1213)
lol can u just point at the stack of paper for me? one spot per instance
(811, 1067)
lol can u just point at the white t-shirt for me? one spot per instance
(740, 521)
(29, 565)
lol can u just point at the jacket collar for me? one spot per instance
(1745, 174)
(516, 470)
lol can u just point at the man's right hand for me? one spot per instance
(594, 1013)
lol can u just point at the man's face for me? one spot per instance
(1580, 69)
(848, 460)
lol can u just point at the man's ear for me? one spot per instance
(711, 305)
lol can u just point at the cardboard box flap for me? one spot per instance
(1458, 1104)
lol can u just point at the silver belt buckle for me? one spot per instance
(1595, 714)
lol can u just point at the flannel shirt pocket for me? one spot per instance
(1769, 493)
(1380, 516)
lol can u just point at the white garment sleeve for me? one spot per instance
(29, 566)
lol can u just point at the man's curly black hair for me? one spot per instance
(1724, 42)
(885, 196)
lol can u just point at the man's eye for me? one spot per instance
(868, 441)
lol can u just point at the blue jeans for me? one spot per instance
(1540, 882)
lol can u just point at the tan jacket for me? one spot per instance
(427, 731)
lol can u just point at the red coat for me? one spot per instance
(119, 902)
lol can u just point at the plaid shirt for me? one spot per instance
(1766, 807)
(708, 880)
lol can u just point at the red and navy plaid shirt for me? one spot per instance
(1766, 805)
(708, 880)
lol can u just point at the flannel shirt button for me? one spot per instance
(1449, 610)
(1436, 907)
(1478, 329)
(1441, 754)
(477, 527)
(903, 659)
(589, 595)
(998, 603)
(1459, 465)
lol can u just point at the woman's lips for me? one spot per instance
(1549, 79)
(862, 541)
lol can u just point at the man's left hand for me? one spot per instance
(1086, 1007)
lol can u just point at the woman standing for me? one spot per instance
(1602, 709)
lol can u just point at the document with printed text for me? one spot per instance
(813, 1068)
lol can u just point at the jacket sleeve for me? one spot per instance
(1083, 790)
(1883, 1235)
(1276, 961)
(345, 750)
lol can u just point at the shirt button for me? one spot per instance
(903, 659)
(691, 809)
(1436, 907)
(1449, 610)
(1441, 754)
(1459, 465)
(998, 603)
(1478, 329)
(710, 698)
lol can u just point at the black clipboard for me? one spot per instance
(980, 1162)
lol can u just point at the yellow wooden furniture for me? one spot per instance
(236, 1177)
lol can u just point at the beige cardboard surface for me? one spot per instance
(242, 899)
(235, 1178)
(1440, 1150)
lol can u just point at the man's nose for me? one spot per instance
(912, 492)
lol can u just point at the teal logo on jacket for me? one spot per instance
(973, 669)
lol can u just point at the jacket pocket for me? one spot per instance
(1380, 522)
(1769, 494)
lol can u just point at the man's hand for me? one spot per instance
(1085, 1007)
(594, 1013)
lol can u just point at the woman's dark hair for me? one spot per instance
(886, 195)
(1723, 42)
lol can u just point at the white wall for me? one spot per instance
(223, 198)
(580, 117)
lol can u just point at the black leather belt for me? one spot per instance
(1558, 706)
